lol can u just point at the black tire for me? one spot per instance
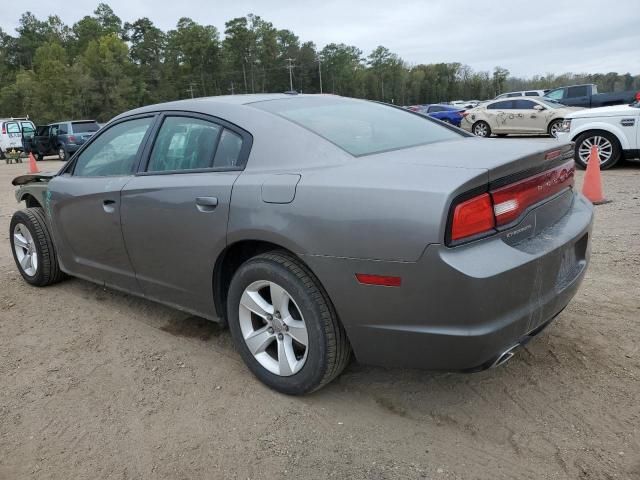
(48, 270)
(2, 157)
(63, 155)
(39, 156)
(554, 125)
(328, 348)
(481, 126)
(616, 149)
(445, 120)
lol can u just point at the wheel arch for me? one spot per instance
(30, 200)
(603, 127)
(232, 257)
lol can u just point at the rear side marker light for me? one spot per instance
(552, 154)
(383, 280)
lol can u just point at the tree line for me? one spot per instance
(101, 66)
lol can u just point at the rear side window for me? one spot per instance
(532, 94)
(64, 129)
(582, 91)
(504, 105)
(115, 151)
(515, 94)
(228, 153)
(184, 143)
(84, 127)
(357, 126)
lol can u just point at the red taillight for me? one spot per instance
(72, 139)
(464, 114)
(382, 280)
(472, 217)
(485, 213)
(4, 130)
(511, 201)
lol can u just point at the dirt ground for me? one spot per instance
(96, 384)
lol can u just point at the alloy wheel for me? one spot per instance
(273, 328)
(480, 130)
(605, 148)
(554, 129)
(62, 154)
(25, 248)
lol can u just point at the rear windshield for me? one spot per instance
(358, 126)
(83, 127)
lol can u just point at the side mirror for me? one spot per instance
(538, 108)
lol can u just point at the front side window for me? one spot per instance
(54, 130)
(115, 151)
(13, 127)
(184, 144)
(359, 127)
(43, 131)
(524, 104)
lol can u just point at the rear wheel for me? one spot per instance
(609, 149)
(481, 129)
(33, 249)
(62, 153)
(284, 326)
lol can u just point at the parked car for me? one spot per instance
(62, 138)
(314, 225)
(522, 93)
(444, 113)
(13, 134)
(587, 96)
(615, 130)
(516, 116)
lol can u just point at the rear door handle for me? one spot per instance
(109, 206)
(206, 204)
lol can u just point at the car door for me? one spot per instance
(84, 205)
(496, 114)
(14, 135)
(526, 119)
(175, 211)
(52, 141)
(39, 139)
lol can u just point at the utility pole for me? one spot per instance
(233, 91)
(320, 72)
(244, 74)
(190, 89)
(290, 67)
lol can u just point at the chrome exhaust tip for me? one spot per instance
(505, 356)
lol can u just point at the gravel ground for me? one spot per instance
(98, 384)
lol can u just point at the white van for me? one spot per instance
(12, 132)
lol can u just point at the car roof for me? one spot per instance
(72, 121)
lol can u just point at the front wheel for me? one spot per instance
(554, 128)
(481, 129)
(609, 150)
(284, 326)
(33, 249)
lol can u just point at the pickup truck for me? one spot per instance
(615, 130)
(62, 138)
(587, 96)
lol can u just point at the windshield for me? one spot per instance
(357, 126)
(83, 127)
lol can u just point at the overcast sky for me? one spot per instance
(526, 37)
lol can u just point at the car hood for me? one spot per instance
(611, 111)
(33, 177)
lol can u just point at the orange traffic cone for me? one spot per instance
(592, 187)
(33, 166)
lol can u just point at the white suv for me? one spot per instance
(614, 130)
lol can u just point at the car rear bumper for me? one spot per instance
(461, 308)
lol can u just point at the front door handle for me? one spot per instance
(206, 204)
(109, 206)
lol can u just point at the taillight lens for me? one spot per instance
(485, 213)
(72, 139)
(511, 201)
(472, 217)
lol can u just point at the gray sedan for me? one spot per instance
(316, 226)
